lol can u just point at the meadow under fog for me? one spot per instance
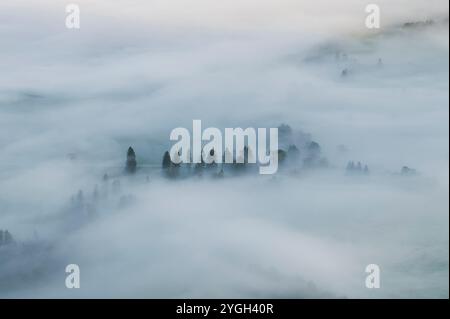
(73, 101)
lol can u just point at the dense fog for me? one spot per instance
(363, 127)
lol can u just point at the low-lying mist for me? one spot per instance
(367, 112)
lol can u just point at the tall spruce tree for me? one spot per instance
(131, 161)
(166, 160)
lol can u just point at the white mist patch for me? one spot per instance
(129, 76)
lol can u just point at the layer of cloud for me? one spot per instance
(137, 69)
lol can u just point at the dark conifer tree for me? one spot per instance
(166, 160)
(366, 170)
(5, 238)
(350, 166)
(293, 152)
(359, 167)
(131, 161)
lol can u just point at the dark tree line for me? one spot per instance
(357, 169)
(131, 163)
(5, 238)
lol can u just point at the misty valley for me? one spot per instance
(271, 150)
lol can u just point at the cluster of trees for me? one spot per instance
(85, 204)
(307, 158)
(357, 169)
(289, 155)
(173, 170)
(98, 193)
(298, 150)
(307, 155)
(313, 157)
(5, 238)
(130, 165)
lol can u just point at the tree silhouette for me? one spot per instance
(131, 161)
(366, 170)
(293, 151)
(350, 166)
(166, 160)
(5, 237)
(170, 168)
